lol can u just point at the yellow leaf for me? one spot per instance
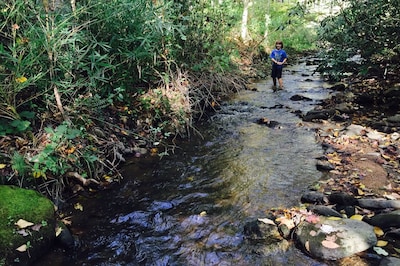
(333, 218)
(2, 165)
(21, 79)
(78, 206)
(357, 217)
(38, 174)
(381, 243)
(58, 231)
(378, 231)
(22, 248)
(107, 178)
(71, 150)
(360, 192)
(21, 223)
(203, 213)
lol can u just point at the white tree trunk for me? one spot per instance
(245, 17)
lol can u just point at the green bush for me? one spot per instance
(362, 36)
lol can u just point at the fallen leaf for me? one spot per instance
(393, 196)
(58, 231)
(378, 231)
(329, 244)
(23, 232)
(380, 251)
(21, 223)
(334, 218)
(357, 217)
(327, 229)
(266, 221)
(313, 219)
(36, 227)
(307, 246)
(2, 165)
(381, 243)
(203, 213)
(22, 248)
(78, 206)
(285, 221)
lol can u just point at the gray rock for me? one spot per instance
(335, 239)
(324, 166)
(354, 130)
(324, 210)
(394, 119)
(313, 197)
(375, 135)
(379, 203)
(260, 231)
(342, 199)
(345, 108)
(385, 220)
(390, 261)
(318, 114)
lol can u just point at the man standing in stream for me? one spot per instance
(279, 58)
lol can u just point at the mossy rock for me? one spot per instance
(17, 203)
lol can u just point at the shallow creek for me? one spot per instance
(190, 208)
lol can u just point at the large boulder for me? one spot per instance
(334, 239)
(27, 225)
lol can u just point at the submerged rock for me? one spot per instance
(319, 114)
(313, 197)
(261, 231)
(335, 239)
(268, 123)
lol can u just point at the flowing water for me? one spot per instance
(190, 208)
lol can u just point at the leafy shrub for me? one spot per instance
(363, 34)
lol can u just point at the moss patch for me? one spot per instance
(17, 203)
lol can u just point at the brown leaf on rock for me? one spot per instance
(313, 219)
(329, 242)
(285, 221)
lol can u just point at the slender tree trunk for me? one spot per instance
(245, 17)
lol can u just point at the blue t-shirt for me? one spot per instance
(278, 55)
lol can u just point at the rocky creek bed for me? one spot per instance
(351, 216)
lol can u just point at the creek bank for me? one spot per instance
(27, 225)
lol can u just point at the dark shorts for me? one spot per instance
(276, 71)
